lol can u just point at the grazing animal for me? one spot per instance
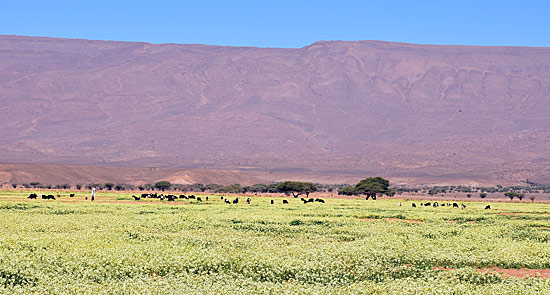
(272, 202)
(285, 202)
(455, 205)
(436, 204)
(399, 204)
(427, 204)
(199, 199)
(488, 207)
(171, 198)
(32, 196)
(183, 197)
(414, 205)
(207, 198)
(191, 196)
(442, 204)
(136, 198)
(227, 201)
(248, 200)
(221, 197)
(48, 197)
(319, 200)
(236, 201)
(71, 195)
(463, 206)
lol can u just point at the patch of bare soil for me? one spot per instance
(519, 273)
(511, 272)
(394, 219)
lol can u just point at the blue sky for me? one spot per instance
(283, 23)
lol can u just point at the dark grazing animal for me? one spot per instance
(191, 197)
(136, 198)
(183, 197)
(414, 205)
(272, 202)
(455, 205)
(248, 200)
(171, 198)
(199, 199)
(32, 196)
(463, 206)
(71, 195)
(319, 200)
(236, 201)
(488, 207)
(227, 201)
(285, 202)
(436, 204)
(207, 198)
(427, 204)
(48, 197)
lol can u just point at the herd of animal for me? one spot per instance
(236, 200)
(45, 197)
(436, 204)
(172, 198)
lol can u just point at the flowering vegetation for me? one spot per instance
(337, 247)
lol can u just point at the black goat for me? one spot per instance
(32, 196)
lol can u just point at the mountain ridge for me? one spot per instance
(390, 108)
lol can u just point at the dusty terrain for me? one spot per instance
(330, 112)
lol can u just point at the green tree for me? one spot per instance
(163, 185)
(373, 186)
(347, 190)
(511, 195)
(297, 188)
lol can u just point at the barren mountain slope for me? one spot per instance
(400, 110)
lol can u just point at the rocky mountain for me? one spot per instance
(414, 113)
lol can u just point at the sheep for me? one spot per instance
(248, 200)
(414, 205)
(236, 201)
(272, 202)
(487, 207)
(285, 202)
(199, 199)
(455, 205)
(227, 201)
(463, 206)
(136, 198)
(71, 195)
(32, 196)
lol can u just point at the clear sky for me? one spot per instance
(283, 23)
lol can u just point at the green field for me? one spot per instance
(340, 247)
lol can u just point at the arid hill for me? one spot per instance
(414, 113)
